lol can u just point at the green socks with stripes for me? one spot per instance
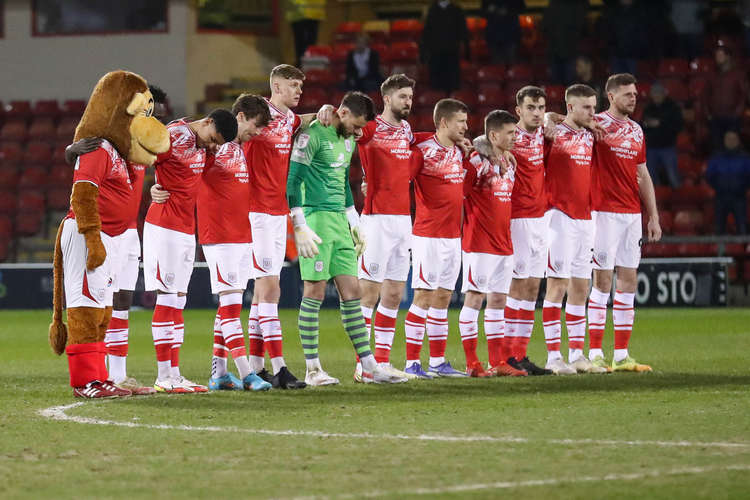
(308, 324)
(354, 324)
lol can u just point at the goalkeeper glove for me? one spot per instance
(357, 237)
(305, 238)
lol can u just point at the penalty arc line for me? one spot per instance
(59, 413)
(535, 482)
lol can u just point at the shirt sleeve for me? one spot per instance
(294, 184)
(417, 160)
(471, 175)
(348, 197)
(92, 167)
(367, 133)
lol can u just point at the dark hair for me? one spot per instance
(159, 95)
(396, 82)
(618, 80)
(253, 106)
(579, 90)
(359, 104)
(225, 123)
(532, 92)
(288, 72)
(496, 119)
(446, 108)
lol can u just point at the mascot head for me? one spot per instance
(120, 110)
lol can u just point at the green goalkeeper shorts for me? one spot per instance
(336, 255)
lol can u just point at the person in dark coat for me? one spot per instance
(363, 67)
(444, 36)
(662, 121)
(729, 174)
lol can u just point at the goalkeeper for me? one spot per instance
(326, 230)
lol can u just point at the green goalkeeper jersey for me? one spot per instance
(319, 170)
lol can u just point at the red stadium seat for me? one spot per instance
(48, 108)
(685, 142)
(491, 98)
(673, 68)
(468, 74)
(31, 200)
(8, 202)
(677, 90)
(67, 128)
(663, 195)
(406, 30)
(42, 128)
(347, 31)
(377, 99)
(519, 73)
(698, 249)
(687, 222)
(696, 87)
(313, 99)
(423, 122)
(6, 227)
(318, 51)
(8, 177)
(18, 109)
(491, 73)
(555, 94)
(14, 130)
(61, 174)
(476, 26)
(479, 50)
(318, 78)
(4, 249)
(426, 100)
(702, 66)
(468, 97)
(33, 177)
(37, 153)
(29, 223)
(646, 69)
(404, 52)
(666, 220)
(10, 153)
(74, 108)
(340, 51)
(58, 198)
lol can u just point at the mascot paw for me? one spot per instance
(58, 337)
(96, 251)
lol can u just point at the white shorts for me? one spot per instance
(617, 240)
(571, 243)
(229, 265)
(436, 262)
(529, 237)
(168, 258)
(269, 244)
(86, 288)
(129, 256)
(486, 272)
(386, 255)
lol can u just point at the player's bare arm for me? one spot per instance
(646, 190)
(78, 148)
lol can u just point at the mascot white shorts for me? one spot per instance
(86, 288)
(168, 258)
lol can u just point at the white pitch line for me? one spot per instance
(59, 413)
(460, 488)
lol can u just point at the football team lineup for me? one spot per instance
(504, 211)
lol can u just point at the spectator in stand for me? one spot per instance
(363, 67)
(503, 32)
(444, 35)
(563, 25)
(304, 17)
(729, 174)
(724, 96)
(627, 36)
(688, 19)
(585, 74)
(662, 121)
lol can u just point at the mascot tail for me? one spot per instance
(58, 332)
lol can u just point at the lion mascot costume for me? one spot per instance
(119, 111)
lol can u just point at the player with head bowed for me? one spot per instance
(486, 243)
(438, 173)
(169, 237)
(327, 233)
(571, 231)
(620, 181)
(386, 156)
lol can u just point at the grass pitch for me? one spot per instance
(680, 432)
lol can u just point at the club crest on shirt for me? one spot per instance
(303, 140)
